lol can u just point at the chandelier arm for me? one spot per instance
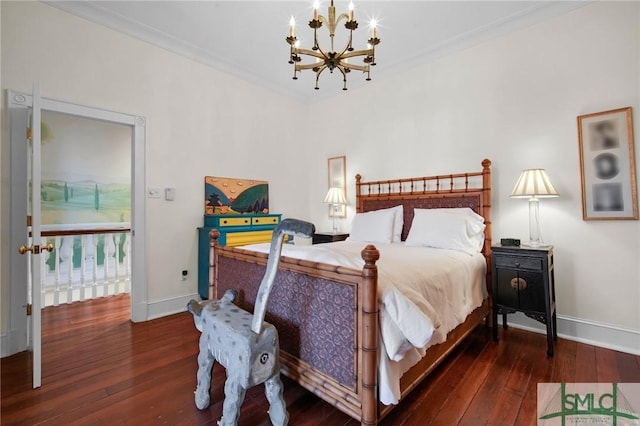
(318, 72)
(363, 68)
(348, 46)
(353, 53)
(342, 16)
(310, 52)
(322, 55)
(344, 76)
(333, 22)
(301, 67)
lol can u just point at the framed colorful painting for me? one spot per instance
(235, 196)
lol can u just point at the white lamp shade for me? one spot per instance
(534, 183)
(335, 196)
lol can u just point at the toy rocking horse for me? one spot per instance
(244, 344)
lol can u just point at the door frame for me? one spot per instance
(18, 103)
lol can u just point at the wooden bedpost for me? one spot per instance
(486, 207)
(369, 368)
(486, 203)
(214, 234)
(358, 189)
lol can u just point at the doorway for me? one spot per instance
(17, 338)
(85, 208)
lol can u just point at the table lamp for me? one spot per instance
(335, 197)
(534, 184)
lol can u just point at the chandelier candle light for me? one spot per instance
(335, 197)
(534, 184)
(330, 58)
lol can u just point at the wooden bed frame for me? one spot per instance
(338, 361)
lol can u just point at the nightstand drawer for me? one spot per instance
(517, 262)
(521, 290)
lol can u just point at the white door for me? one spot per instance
(32, 237)
(36, 239)
(25, 112)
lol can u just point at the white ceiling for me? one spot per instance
(247, 38)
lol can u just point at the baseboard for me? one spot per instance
(4, 345)
(11, 343)
(162, 308)
(583, 331)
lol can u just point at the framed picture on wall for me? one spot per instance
(607, 165)
(337, 167)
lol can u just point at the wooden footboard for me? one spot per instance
(327, 320)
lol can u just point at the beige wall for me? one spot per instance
(199, 122)
(513, 99)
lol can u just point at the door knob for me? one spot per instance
(35, 249)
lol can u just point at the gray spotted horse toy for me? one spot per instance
(244, 344)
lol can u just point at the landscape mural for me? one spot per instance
(86, 171)
(81, 202)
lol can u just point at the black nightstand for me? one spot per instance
(523, 281)
(328, 237)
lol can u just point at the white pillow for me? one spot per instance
(373, 227)
(398, 221)
(466, 211)
(444, 229)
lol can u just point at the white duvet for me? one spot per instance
(424, 293)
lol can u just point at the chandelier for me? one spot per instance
(331, 59)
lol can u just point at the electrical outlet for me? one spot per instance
(184, 274)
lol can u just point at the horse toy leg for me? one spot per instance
(273, 389)
(205, 364)
(233, 398)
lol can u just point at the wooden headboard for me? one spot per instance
(471, 189)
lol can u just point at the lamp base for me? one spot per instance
(535, 244)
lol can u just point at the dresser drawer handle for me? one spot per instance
(517, 264)
(257, 220)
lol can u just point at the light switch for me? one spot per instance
(153, 192)
(169, 194)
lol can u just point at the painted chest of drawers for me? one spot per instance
(235, 230)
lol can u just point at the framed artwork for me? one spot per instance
(607, 165)
(337, 167)
(224, 195)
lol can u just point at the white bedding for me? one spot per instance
(424, 293)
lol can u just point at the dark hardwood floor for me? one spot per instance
(99, 369)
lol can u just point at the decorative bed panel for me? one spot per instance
(327, 316)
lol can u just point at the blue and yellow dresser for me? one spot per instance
(235, 230)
